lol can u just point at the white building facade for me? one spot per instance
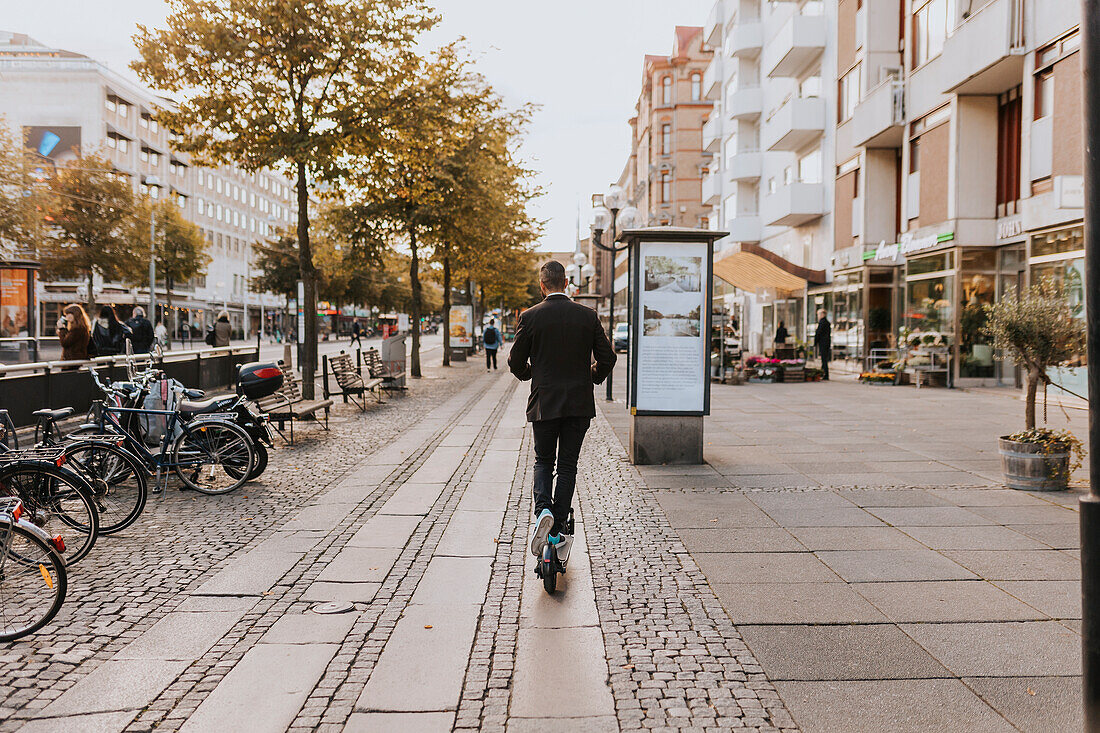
(60, 100)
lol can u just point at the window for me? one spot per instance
(696, 87)
(252, 199)
(218, 185)
(848, 93)
(932, 22)
(144, 155)
(666, 90)
(200, 177)
(666, 139)
(809, 167)
(1008, 152)
(914, 155)
(666, 187)
(219, 212)
(112, 142)
(200, 206)
(1044, 93)
(144, 122)
(123, 109)
(111, 105)
(154, 126)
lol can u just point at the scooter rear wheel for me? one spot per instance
(549, 565)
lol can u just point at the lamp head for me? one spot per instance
(588, 271)
(580, 259)
(601, 218)
(628, 218)
(615, 197)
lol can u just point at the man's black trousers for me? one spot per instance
(490, 358)
(559, 441)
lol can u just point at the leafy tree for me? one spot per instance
(179, 248)
(22, 197)
(286, 84)
(90, 209)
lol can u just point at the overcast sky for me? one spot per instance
(581, 60)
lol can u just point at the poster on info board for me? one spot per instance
(671, 314)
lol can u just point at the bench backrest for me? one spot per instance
(347, 376)
(291, 388)
(375, 365)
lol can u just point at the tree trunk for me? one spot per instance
(414, 317)
(1033, 377)
(446, 310)
(91, 297)
(309, 283)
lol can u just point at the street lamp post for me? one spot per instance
(1090, 503)
(151, 181)
(608, 211)
(580, 272)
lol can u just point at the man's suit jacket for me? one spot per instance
(554, 347)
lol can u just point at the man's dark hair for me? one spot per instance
(552, 275)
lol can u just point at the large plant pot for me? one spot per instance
(1026, 467)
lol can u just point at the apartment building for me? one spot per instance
(770, 138)
(958, 176)
(664, 172)
(61, 101)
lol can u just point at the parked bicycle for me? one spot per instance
(33, 578)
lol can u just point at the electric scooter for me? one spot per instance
(549, 565)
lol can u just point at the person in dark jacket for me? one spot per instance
(75, 334)
(222, 330)
(781, 334)
(556, 342)
(109, 334)
(356, 334)
(142, 331)
(823, 342)
(491, 339)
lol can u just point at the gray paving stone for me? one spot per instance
(1034, 704)
(581, 693)
(321, 517)
(92, 723)
(181, 635)
(249, 574)
(412, 498)
(741, 539)
(992, 537)
(471, 534)
(404, 722)
(454, 580)
(984, 497)
(854, 538)
(944, 601)
(934, 516)
(406, 679)
(323, 592)
(1032, 648)
(868, 566)
(1044, 513)
(1059, 536)
(1056, 598)
(360, 565)
(485, 496)
(898, 706)
(439, 466)
(117, 684)
(777, 567)
(855, 652)
(600, 724)
(231, 705)
(694, 519)
(824, 516)
(216, 603)
(291, 541)
(907, 497)
(385, 530)
(1018, 564)
(789, 603)
(310, 628)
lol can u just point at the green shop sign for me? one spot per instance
(907, 246)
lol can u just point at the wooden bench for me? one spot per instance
(287, 405)
(349, 380)
(379, 370)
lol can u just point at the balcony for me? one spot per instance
(712, 189)
(744, 102)
(746, 39)
(712, 78)
(744, 228)
(712, 134)
(744, 166)
(879, 119)
(985, 54)
(799, 42)
(712, 29)
(799, 122)
(794, 204)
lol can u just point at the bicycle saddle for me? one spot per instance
(211, 405)
(58, 414)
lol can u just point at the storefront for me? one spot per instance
(862, 305)
(1059, 254)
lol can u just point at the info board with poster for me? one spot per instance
(669, 328)
(461, 326)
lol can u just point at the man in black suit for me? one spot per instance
(554, 347)
(823, 341)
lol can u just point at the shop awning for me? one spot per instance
(753, 268)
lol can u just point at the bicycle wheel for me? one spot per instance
(213, 457)
(118, 480)
(33, 582)
(57, 500)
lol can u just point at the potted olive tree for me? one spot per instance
(1039, 330)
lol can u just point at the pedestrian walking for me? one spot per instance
(142, 331)
(554, 347)
(75, 334)
(491, 339)
(356, 334)
(221, 331)
(823, 342)
(781, 334)
(110, 334)
(160, 333)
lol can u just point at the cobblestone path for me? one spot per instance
(411, 522)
